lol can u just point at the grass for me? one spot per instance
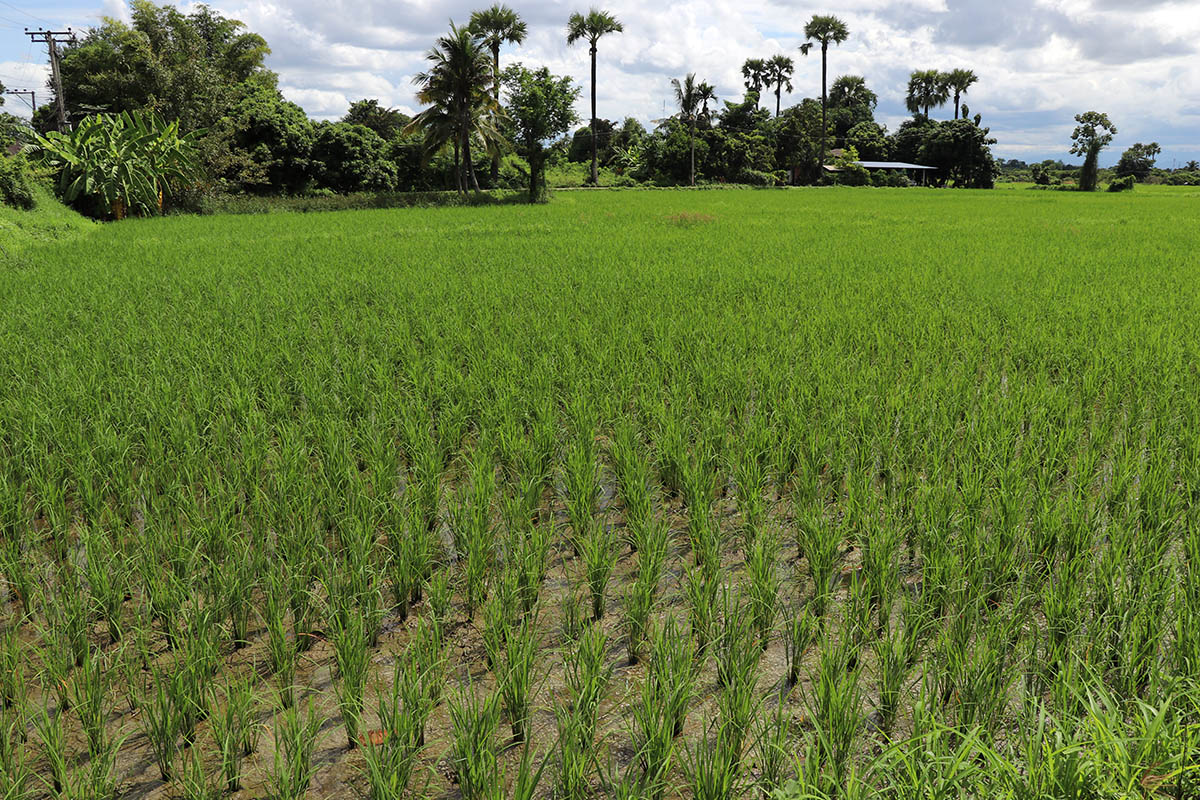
(47, 221)
(814, 492)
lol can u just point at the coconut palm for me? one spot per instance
(824, 30)
(497, 25)
(754, 71)
(687, 95)
(592, 27)
(927, 89)
(779, 74)
(461, 109)
(705, 93)
(958, 81)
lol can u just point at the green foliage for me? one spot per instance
(16, 186)
(350, 158)
(1093, 133)
(114, 165)
(270, 142)
(1138, 161)
(540, 107)
(960, 149)
(1125, 184)
(385, 122)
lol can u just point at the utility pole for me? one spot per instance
(52, 39)
(32, 96)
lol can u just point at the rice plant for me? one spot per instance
(474, 719)
(516, 674)
(597, 547)
(235, 730)
(292, 770)
(352, 657)
(764, 584)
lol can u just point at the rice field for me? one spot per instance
(793, 494)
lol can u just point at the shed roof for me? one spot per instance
(890, 165)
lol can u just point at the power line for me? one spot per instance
(23, 11)
(52, 39)
(32, 101)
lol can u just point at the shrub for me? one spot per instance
(1125, 184)
(16, 188)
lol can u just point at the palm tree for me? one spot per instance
(754, 71)
(705, 93)
(497, 25)
(461, 108)
(687, 94)
(851, 91)
(958, 81)
(824, 29)
(779, 74)
(926, 89)
(591, 27)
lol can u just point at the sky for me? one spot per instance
(1040, 62)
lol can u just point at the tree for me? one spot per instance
(592, 27)
(540, 107)
(687, 95)
(824, 30)
(461, 107)
(705, 93)
(798, 139)
(870, 140)
(580, 148)
(779, 74)
(350, 158)
(266, 141)
(754, 72)
(1093, 133)
(1192, 166)
(387, 122)
(497, 25)
(927, 89)
(961, 151)
(1138, 161)
(851, 91)
(958, 81)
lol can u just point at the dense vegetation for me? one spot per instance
(818, 493)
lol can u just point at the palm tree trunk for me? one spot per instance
(778, 91)
(956, 96)
(458, 184)
(496, 157)
(824, 102)
(595, 171)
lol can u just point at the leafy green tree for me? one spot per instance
(927, 88)
(114, 164)
(754, 72)
(779, 74)
(906, 143)
(387, 122)
(461, 110)
(351, 158)
(580, 148)
(705, 93)
(1138, 161)
(961, 151)
(541, 107)
(1192, 166)
(496, 26)
(869, 140)
(269, 142)
(1093, 133)
(687, 96)
(851, 103)
(799, 141)
(958, 81)
(592, 27)
(824, 30)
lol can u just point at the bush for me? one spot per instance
(16, 188)
(754, 177)
(1125, 184)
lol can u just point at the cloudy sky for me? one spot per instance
(1039, 61)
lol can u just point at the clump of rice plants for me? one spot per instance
(475, 719)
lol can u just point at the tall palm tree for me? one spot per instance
(927, 89)
(497, 25)
(687, 95)
(958, 81)
(754, 72)
(779, 74)
(461, 109)
(825, 30)
(591, 27)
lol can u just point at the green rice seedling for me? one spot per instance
(671, 676)
(633, 480)
(194, 781)
(799, 632)
(237, 582)
(474, 534)
(764, 584)
(515, 675)
(235, 730)
(835, 704)
(440, 593)
(89, 688)
(292, 770)
(774, 747)
(576, 751)
(750, 479)
(12, 665)
(49, 727)
(653, 542)
(68, 618)
(638, 602)
(820, 544)
(893, 666)
(15, 569)
(701, 590)
(473, 755)
(574, 619)
(160, 723)
(281, 650)
(938, 761)
(737, 657)
(353, 659)
(713, 771)
(16, 774)
(598, 549)
(587, 675)
(532, 555)
(581, 479)
(524, 785)
(880, 560)
(106, 573)
(403, 712)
